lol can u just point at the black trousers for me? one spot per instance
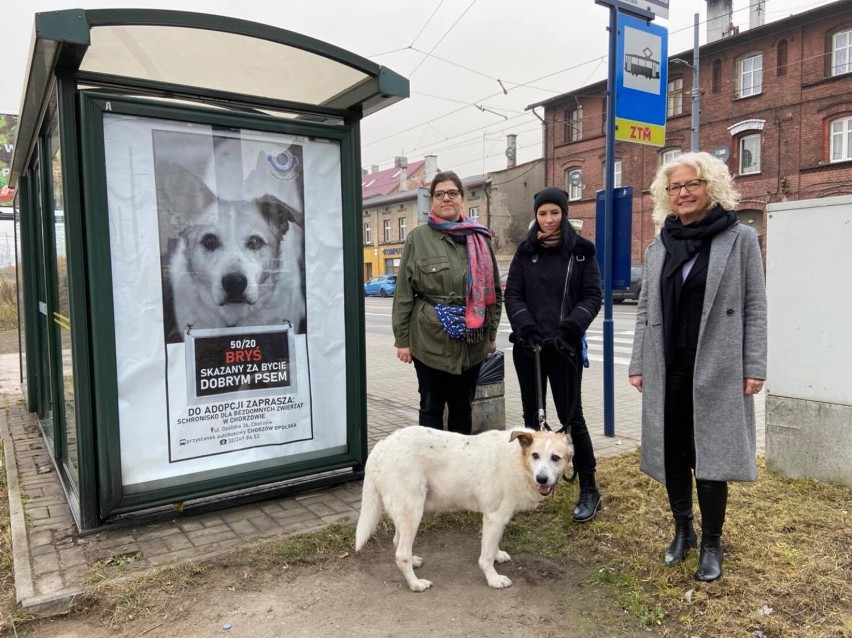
(680, 450)
(438, 389)
(561, 375)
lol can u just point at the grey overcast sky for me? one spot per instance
(453, 52)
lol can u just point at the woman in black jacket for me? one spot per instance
(553, 293)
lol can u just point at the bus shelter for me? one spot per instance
(187, 214)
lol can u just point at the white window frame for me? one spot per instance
(840, 139)
(669, 154)
(616, 174)
(674, 97)
(387, 230)
(473, 213)
(401, 227)
(750, 75)
(368, 235)
(841, 52)
(749, 147)
(574, 192)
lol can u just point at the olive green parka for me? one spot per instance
(435, 265)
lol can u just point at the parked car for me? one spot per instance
(381, 285)
(637, 272)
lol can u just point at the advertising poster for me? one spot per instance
(220, 238)
(8, 126)
(230, 211)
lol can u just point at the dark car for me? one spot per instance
(637, 271)
(381, 285)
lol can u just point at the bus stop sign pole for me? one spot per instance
(608, 333)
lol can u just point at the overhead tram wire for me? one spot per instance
(528, 84)
(448, 31)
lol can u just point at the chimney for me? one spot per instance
(403, 177)
(364, 172)
(374, 168)
(430, 169)
(757, 14)
(400, 161)
(511, 150)
(720, 15)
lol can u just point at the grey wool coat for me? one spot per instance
(731, 347)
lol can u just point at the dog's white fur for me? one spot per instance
(237, 263)
(418, 469)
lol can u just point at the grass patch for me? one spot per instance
(788, 561)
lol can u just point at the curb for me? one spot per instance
(24, 586)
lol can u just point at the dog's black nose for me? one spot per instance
(541, 479)
(234, 285)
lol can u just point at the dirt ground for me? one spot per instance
(364, 594)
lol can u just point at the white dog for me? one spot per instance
(418, 469)
(236, 263)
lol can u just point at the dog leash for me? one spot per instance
(541, 414)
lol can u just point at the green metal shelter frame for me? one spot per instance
(196, 70)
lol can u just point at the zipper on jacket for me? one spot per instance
(565, 291)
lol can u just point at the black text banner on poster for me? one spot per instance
(236, 363)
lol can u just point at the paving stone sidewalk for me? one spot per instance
(53, 563)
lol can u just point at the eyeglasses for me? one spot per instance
(440, 194)
(690, 186)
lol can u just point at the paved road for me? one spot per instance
(377, 313)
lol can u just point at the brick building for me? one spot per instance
(775, 99)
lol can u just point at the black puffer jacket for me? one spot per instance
(550, 289)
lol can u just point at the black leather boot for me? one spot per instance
(710, 558)
(588, 504)
(684, 539)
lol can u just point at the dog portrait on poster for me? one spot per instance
(233, 257)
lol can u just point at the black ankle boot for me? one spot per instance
(684, 539)
(710, 558)
(588, 504)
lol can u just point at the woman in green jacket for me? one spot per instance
(448, 261)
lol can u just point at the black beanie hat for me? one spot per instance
(552, 195)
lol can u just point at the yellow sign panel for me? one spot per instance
(640, 132)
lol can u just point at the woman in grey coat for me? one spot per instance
(699, 352)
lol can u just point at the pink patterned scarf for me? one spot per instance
(480, 275)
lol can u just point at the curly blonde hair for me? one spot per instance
(720, 183)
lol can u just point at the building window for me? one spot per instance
(749, 154)
(750, 75)
(674, 101)
(716, 82)
(402, 229)
(781, 58)
(473, 213)
(841, 140)
(574, 181)
(574, 124)
(387, 230)
(368, 236)
(841, 52)
(616, 174)
(669, 154)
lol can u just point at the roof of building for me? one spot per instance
(386, 181)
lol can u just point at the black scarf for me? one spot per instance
(682, 243)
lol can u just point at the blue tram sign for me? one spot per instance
(641, 81)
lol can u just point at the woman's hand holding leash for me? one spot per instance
(404, 354)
